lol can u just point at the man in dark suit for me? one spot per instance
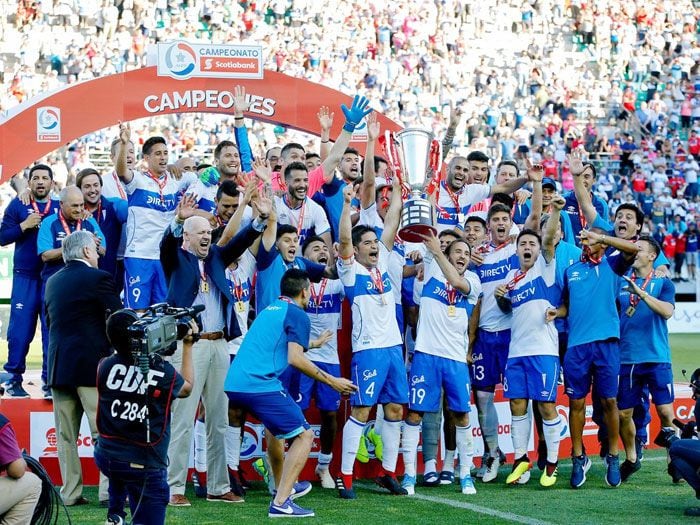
(78, 300)
(195, 271)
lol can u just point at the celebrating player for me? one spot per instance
(449, 293)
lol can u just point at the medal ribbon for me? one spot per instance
(322, 288)
(634, 298)
(47, 208)
(451, 294)
(300, 222)
(66, 227)
(377, 280)
(519, 276)
(118, 183)
(202, 273)
(161, 185)
(237, 290)
(586, 256)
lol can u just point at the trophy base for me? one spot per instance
(415, 232)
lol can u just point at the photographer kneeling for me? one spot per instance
(133, 421)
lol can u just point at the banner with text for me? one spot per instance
(686, 319)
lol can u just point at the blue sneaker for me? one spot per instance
(14, 389)
(300, 488)
(288, 509)
(613, 478)
(467, 484)
(581, 464)
(431, 479)
(447, 477)
(409, 483)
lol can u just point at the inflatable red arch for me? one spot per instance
(45, 123)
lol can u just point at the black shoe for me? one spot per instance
(692, 511)
(628, 468)
(14, 389)
(343, 491)
(200, 487)
(391, 484)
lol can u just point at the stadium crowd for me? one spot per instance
(538, 211)
(577, 73)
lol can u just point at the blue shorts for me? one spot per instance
(327, 399)
(532, 377)
(276, 410)
(490, 356)
(633, 378)
(598, 361)
(380, 375)
(430, 374)
(144, 283)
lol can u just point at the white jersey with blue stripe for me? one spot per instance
(440, 333)
(374, 323)
(530, 298)
(314, 219)
(370, 217)
(324, 313)
(240, 282)
(448, 215)
(149, 214)
(492, 274)
(205, 195)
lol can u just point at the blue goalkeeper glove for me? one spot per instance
(355, 113)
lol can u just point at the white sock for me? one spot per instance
(552, 436)
(200, 446)
(391, 437)
(232, 442)
(430, 465)
(488, 419)
(465, 445)
(379, 420)
(352, 433)
(520, 432)
(409, 444)
(449, 464)
(324, 460)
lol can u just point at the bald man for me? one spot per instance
(54, 228)
(187, 246)
(186, 164)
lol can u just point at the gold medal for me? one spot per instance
(630, 311)
(451, 311)
(240, 306)
(204, 286)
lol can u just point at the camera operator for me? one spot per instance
(196, 275)
(133, 421)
